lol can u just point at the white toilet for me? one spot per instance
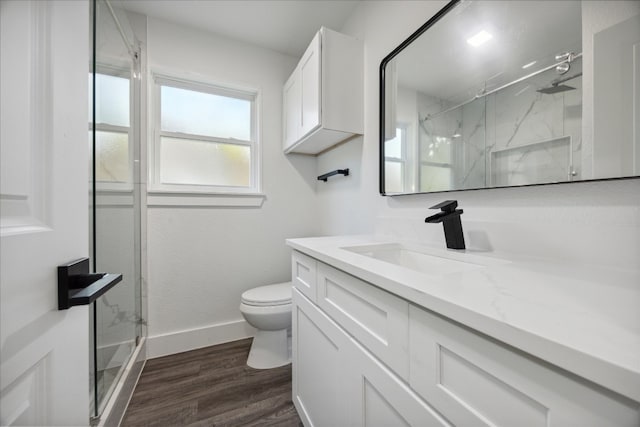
(268, 309)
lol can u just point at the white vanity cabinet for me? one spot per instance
(336, 382)
(319, 371)
(474, 380)
(375, 318)
(378, 397)
(303, 274)
(363, 356)
(323, 97)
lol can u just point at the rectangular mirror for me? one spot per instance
(499, 94)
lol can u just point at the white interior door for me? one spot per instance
(44, 353)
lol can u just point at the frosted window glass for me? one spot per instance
(393, 147)
(435, 178)
(112, 100)
(185, 161)
(112, 156)
(200, 113)
(393, 172)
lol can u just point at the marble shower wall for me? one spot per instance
(535, 137)
(516, 136)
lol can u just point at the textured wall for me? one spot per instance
(201, 259)
(583, 222)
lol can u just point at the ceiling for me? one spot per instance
(286, 26)
(523, 32)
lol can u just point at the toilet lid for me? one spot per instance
(278, 294)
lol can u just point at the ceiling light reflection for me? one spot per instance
(480, 38)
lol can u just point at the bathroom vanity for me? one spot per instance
(390, 334)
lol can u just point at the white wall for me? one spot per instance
(596, 222)
(201, 259)
(350, 206)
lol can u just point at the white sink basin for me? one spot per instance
(422, 259)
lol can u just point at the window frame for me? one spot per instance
(163, 194)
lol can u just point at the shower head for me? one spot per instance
(555, 89)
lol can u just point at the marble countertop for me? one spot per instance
(582, 318)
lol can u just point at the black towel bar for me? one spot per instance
(324, 177)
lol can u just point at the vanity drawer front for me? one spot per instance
(476, 381)
(375, 318)
(303, 274)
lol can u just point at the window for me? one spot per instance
(436, 171)
(113, 129)
(395, 161)
(204, 139)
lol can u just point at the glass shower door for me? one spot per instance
(115, 215)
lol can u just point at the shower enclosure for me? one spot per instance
(115, 212)
(527, 131)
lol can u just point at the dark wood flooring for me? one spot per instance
(212, 386)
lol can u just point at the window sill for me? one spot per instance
(171, 199)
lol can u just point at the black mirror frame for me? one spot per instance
(435, 18)
(439, 15)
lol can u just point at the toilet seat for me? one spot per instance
(269, 295)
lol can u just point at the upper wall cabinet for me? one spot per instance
(323, 97)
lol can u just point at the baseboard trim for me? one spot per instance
(191, 339)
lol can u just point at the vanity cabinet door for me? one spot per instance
(320, 358)
(476, 381)
(375, 318)
(384, 400)
(336, 382)
(303, 274)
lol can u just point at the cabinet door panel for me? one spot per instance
(292, 117)
(475, 381)
(383, 400)
(342, 82)
(310, 86)
(303, 274)
(319, 374)
(377, 319)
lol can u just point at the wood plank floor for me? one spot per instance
(212, 386)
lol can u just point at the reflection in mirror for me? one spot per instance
(500, 94)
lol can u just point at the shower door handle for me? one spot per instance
(76, 286)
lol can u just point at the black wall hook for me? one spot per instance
(324, 177)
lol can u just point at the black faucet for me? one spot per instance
(450, 219)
